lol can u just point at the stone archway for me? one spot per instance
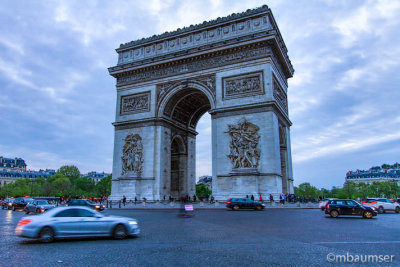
(236, 68)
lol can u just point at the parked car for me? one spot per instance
(338, 207)
(243, 203)
(65, 222)
(383, 204)
(38, 206)
(86, 203)
(7, 203)
(322, 203)
(20, 203)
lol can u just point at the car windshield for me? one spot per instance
(43, 202)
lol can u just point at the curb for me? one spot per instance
(305, 208)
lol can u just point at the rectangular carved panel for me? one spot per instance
(243, 85)
(280, 95)
(135, 103)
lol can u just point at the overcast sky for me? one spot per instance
(57, 101)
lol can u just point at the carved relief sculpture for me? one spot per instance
(243, 85)
(280, 95)
(135, 103)
(132, 156)
(243, 147)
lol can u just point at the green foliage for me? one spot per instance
(307, 190)
(65, 182)
(71, 172)
(103, 188)
(351, 190)
(202, 191)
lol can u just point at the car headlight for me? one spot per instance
(133, 222)
(97, 206)
(9, 204)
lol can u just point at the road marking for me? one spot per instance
(357, 242)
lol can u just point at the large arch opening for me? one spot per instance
(183, 109)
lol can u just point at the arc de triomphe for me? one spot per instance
(236, 68)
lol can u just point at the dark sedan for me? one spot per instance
(349, 207)
(20, 203)
(7, 203)
(86, 203)
(243, 203)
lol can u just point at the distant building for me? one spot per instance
(10, 176)
(206, 180)
(96, 176)
(385, 173)
(16, 164)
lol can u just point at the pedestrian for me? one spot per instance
(252, 197)
(247, 196)
(135, 200)
(261, 199)
(271, 198)
(280, 199)
(164, 198)
(124, 200)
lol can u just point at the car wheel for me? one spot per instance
(367, 214)
(334, 213)
(27, 211)
(46, 235)
(119, 232)
(236, 207)
(13, 208)
(258, 207)
(397, 210)
(381, 209)
(37, 210)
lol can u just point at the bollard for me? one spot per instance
(201, 204)
(298, 204)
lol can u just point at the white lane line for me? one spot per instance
(358, 242)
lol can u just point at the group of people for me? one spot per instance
(283, 198)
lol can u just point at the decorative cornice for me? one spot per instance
(222, 32)
(196, 63)
(205, 24)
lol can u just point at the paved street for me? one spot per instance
(301, 237)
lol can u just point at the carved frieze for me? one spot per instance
(243, 85)
(280, 95)
(244, 153)
(208, 81)
(135, 103)
(253, 52)
(132, 156)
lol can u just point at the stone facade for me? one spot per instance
(236, 68)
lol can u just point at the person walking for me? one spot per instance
(252, 197)
(135, 200)
(280, 199)
(271, 198)
(261, 199)
(124, 200)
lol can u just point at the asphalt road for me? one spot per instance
(214, 238)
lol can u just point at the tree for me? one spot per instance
(103, 188)
(202, 191)
(71, 172)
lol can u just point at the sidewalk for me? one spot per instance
(203, 205)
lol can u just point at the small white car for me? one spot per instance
(383, 204)
(66, 222)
